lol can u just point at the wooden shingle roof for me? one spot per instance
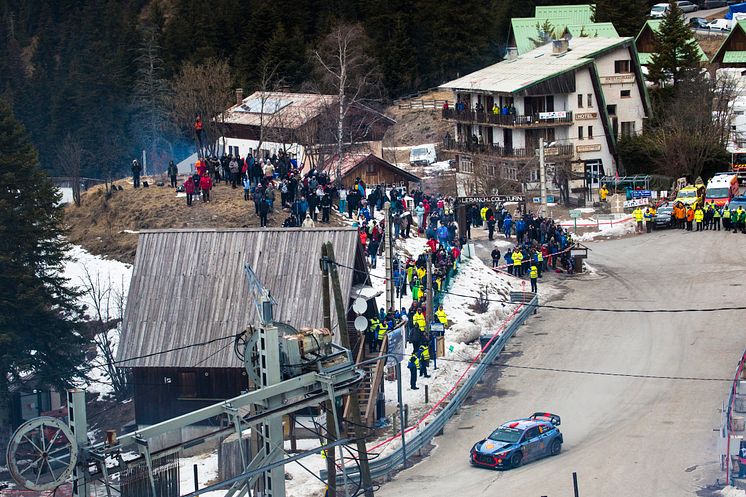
(189, 286)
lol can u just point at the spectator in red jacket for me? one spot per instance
(201, 167)
(205, 184)
(189, 189)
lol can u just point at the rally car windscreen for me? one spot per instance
(507, 435)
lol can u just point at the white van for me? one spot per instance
(423, 155)
(659, 10)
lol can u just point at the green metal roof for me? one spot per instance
(734, 57)
(576, 14)
(594, 29)
(524, 29)
(739, 25)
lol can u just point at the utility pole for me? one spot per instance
(328, 253)
(542, 176)
(429, 295)
(389, 256)
(78, 422)
(331, 426)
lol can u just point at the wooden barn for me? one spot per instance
(189, 287)
(371, 169)
(645, 42)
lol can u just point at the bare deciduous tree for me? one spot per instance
(698, 129)
(347, 70)
(70, 157)
(107, 300)
(205, 90)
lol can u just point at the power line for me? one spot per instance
(588, 372)
(577, 308)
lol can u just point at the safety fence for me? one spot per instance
(727, 424)
(434, 421)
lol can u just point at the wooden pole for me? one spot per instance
(331, 427)
(354, 401)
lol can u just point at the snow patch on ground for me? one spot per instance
(606, 230)
(731, 492)
(104, 283)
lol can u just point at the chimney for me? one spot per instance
(239, 96)
(560, 46)
(512, 53)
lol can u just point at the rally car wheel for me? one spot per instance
(555, 448)
(515, 461)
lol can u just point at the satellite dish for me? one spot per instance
(361, 323)
(360, 305)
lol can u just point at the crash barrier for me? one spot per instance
(428, 428)
(590, 223)
(727, 424)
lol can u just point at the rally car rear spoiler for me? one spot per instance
(553, 418)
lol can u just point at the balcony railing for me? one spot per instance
(560, 118)
(508, 152)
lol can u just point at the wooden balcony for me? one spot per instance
(541, 120)
(563, 151)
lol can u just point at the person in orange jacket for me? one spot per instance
(689, 218)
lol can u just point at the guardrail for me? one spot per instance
(383, 465)
(728, 424)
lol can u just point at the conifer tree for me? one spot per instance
(676, 54)
(628, 17)
(39, 323)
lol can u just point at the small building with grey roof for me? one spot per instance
(189, 287)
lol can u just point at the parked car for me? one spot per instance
(422, 155)
(663, 217)
(699, 23)
(737, 202)
(720, 25)
(520, 441)
(687, 7)
(713, 4)
(659, 10)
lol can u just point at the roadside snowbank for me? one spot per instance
(731, 492)
(606, 230)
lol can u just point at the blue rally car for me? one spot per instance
(519, 441)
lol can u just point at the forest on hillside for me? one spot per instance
(85, 75)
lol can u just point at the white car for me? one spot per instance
(659, 10)
(719, 25)
(687, 7)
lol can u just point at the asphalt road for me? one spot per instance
(624, 436)
(719, 13)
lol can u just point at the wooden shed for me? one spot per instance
(372, 170)
(189, 287)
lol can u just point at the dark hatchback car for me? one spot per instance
(663, 217)
(699, 23)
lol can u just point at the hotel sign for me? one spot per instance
(619, 78)
(588, 148)
(585, 116)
